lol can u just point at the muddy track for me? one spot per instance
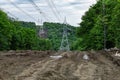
(36, 65)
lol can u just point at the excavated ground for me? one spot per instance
(38, 65)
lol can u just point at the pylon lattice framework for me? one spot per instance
(64, 43)
(41, 31)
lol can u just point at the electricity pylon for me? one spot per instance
(41, 32)
(64, 43)
(104, 25)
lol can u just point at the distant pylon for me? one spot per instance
(64, 43)
(41, 32)
(104, 25)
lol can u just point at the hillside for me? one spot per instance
(55, 33)
(99, 25)
(18, 35)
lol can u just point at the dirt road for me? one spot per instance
(38, 65)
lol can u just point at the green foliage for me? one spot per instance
(45, 44)
(19, 35)
(5, 31)
(91, 30)
(55, 33)
(27, 24)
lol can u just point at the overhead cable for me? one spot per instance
(39, 10)
(22, 10)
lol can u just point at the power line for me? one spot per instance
(10, 14)
(21, 10)
(39, 10)
(54, 12)
(56, 8)
(41, 32)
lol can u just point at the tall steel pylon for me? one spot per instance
(41, 32)
(64, 43)
(104, 25)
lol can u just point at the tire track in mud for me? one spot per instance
(71, 67)
(32, 71)
(68, 68)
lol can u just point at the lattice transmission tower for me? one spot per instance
(104, 25)
(64, 43)
(41, 31)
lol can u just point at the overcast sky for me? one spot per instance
(50, 12)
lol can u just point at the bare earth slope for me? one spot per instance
(38, 65)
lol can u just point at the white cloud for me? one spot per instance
(72, 9)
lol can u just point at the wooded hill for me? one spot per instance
(55, 33)
(20, 35)
(91, 30)
(15, 35)
(90, 34)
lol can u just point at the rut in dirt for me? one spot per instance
(101, 65)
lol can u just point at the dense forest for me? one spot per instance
(91, 31)
(55, 33)
(19, 35)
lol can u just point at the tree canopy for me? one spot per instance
(91, 30)
(19, 35)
